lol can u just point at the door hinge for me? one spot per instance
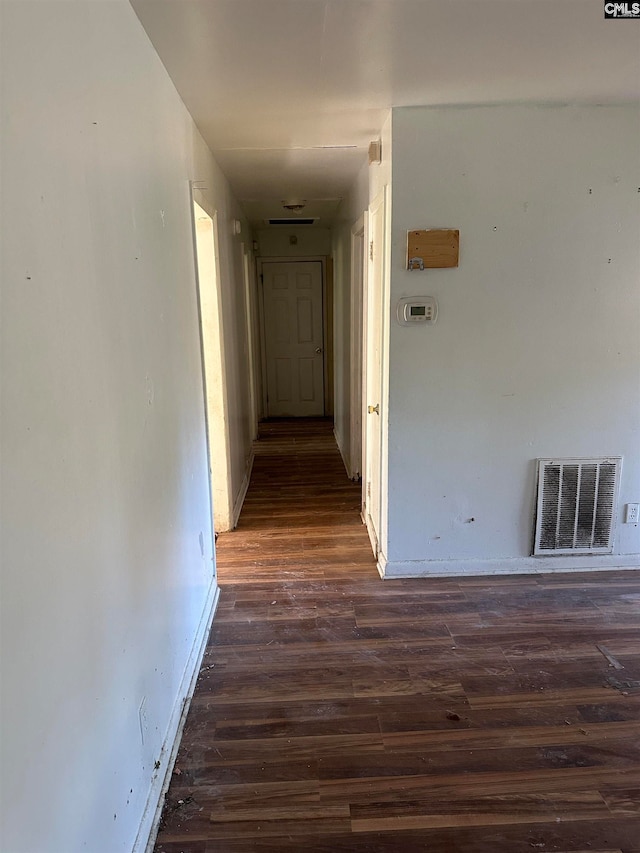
(261, 279)
(371, 250)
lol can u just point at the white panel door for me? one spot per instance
(373, 370)
(294, 345)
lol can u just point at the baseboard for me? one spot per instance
(237, 507)
(515, 566)
(149, 825)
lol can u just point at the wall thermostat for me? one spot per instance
(417, 309)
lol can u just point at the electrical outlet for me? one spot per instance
(632, 514)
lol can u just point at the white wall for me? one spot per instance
(105, 496)
(536, 350)
(311, 240)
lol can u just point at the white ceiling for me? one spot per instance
(289, 93)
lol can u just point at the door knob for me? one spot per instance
(372, 409)
(318, 350)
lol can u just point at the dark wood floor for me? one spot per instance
(337, 712)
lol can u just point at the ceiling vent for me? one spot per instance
(576, 505)
(291, 221)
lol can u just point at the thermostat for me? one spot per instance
(417, 309)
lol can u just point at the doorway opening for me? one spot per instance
(205, 229)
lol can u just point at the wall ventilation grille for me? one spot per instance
(576, 505)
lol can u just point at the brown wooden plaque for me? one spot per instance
(436, 248)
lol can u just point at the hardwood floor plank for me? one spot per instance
(206, 767)
(275, 749)
(523, 838)
(482, 810)
(451, 787)
(625, 801)
(579, 695)
(540, 736)
(466, 819)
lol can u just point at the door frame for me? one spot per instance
(214, 378)
(327, 311)
(357, 404)
(253, 335)
(377, 527)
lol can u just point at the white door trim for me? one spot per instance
(251, 300)
(376, 386)
(214, 380)
(357, 372)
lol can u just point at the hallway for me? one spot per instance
(337, 712)
(301, 515)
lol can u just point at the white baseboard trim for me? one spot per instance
(513, 566)
(237, 507)
(150, 823)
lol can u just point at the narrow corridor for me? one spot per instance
(301, 516)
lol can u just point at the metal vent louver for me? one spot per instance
(576, 505)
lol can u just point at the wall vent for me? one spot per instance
(576, 506)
